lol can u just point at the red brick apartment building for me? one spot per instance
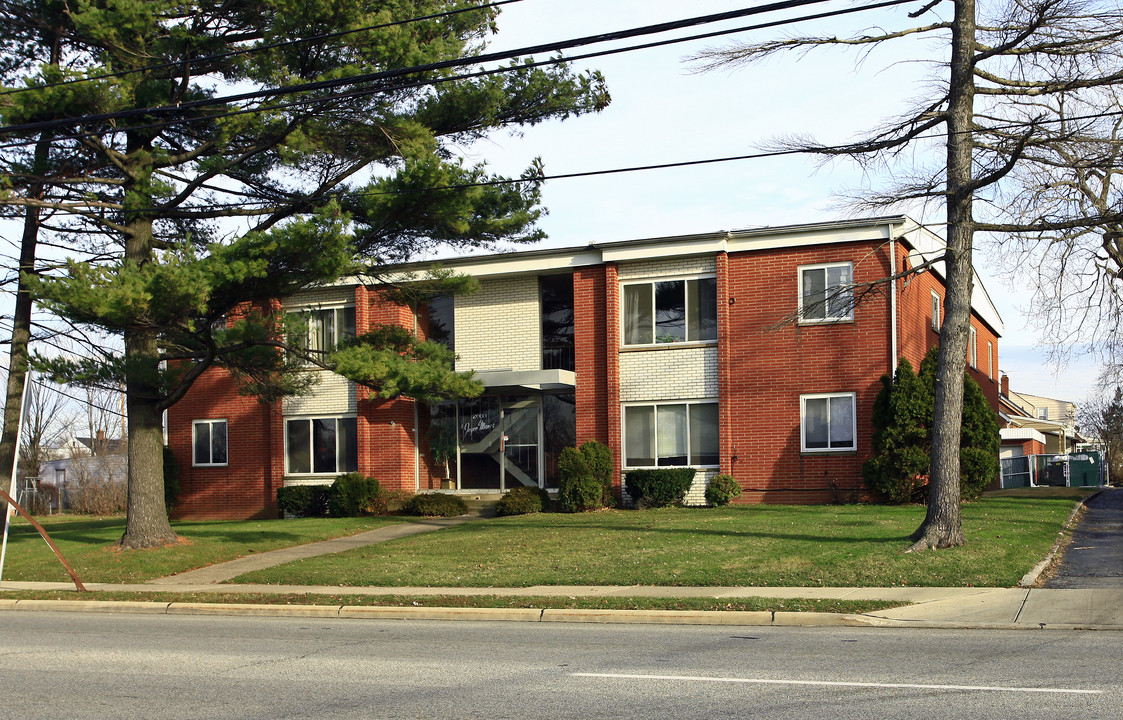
(741, 352)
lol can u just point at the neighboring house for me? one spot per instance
(1035, 425)
(756, 353)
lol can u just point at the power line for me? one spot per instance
(429, 67)
(256, 48)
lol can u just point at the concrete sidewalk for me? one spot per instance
(981, 608)
(221, 572)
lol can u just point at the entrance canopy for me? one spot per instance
(521, 381)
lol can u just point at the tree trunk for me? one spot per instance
(147, 513)
(147, 523)
(18, 356)
(942, 526)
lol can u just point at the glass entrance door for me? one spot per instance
(520, 442)
(499, 440)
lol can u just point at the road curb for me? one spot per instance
(654, 617)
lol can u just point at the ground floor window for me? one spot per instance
(828, 422)
(209, 442)
(321, 445)
(670, 434)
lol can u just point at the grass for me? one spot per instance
(769, 545)
(88, 544)
(751, 604)
(848, 546)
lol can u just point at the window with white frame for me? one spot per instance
(209, 442)
(671, 434)
(828, 422)
(937, 316)
(1042, 413)
(323, 445)
(826, 293)
(973, 350)
(325, 328)
(670, 311)
(990, 359)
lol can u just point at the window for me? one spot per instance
(826, 293)
(209, 442)
(990, 359)
(973, 350)
(555, 293)
(1042, 413)
(671, 434)
(670, 311)
(326, 327)
(936, 316)
(828, 422)
(321, 445)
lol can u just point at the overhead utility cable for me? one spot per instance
(399, 72)
(188, 62)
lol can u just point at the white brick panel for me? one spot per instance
(688, 373)
(498, 327)
(332, 395)
(690, 265)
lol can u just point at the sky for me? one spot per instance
(664, 110)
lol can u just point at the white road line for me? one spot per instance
(827, 683)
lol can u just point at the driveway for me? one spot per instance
(1094, 558)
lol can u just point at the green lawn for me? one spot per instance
(764, 545)
(88, 544)
(852, 545)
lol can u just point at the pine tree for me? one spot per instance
(216, 202)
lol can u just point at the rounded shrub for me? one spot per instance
(658, 488)
(721, 489)
(585, 477)
(435, 505)
(304, 500)
(522, 501)
(352, 495)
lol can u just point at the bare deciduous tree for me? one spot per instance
(998, 112)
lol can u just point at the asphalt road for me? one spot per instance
(1094, 558)
(73, 665)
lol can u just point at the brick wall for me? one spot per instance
(769, 361)
(247, 485)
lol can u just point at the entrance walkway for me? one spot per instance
(232, 569)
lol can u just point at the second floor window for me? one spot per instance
(826, 293)
(670, 311)
(326, 328)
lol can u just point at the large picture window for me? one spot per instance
(670, 311)
(326, 328)
(670, 434)
(828, 423)
(826, 293)
(321, 445)
(209, 442)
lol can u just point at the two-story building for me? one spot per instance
(755, 352)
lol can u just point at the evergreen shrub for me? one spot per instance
(586, 477)
(902, 417)
(435, 505)
(304, 500)
(721, 489)
(352, 495)
(522, 501)
(658, 487)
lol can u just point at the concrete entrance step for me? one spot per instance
(481, 504)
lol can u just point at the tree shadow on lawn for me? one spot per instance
(746, 534)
